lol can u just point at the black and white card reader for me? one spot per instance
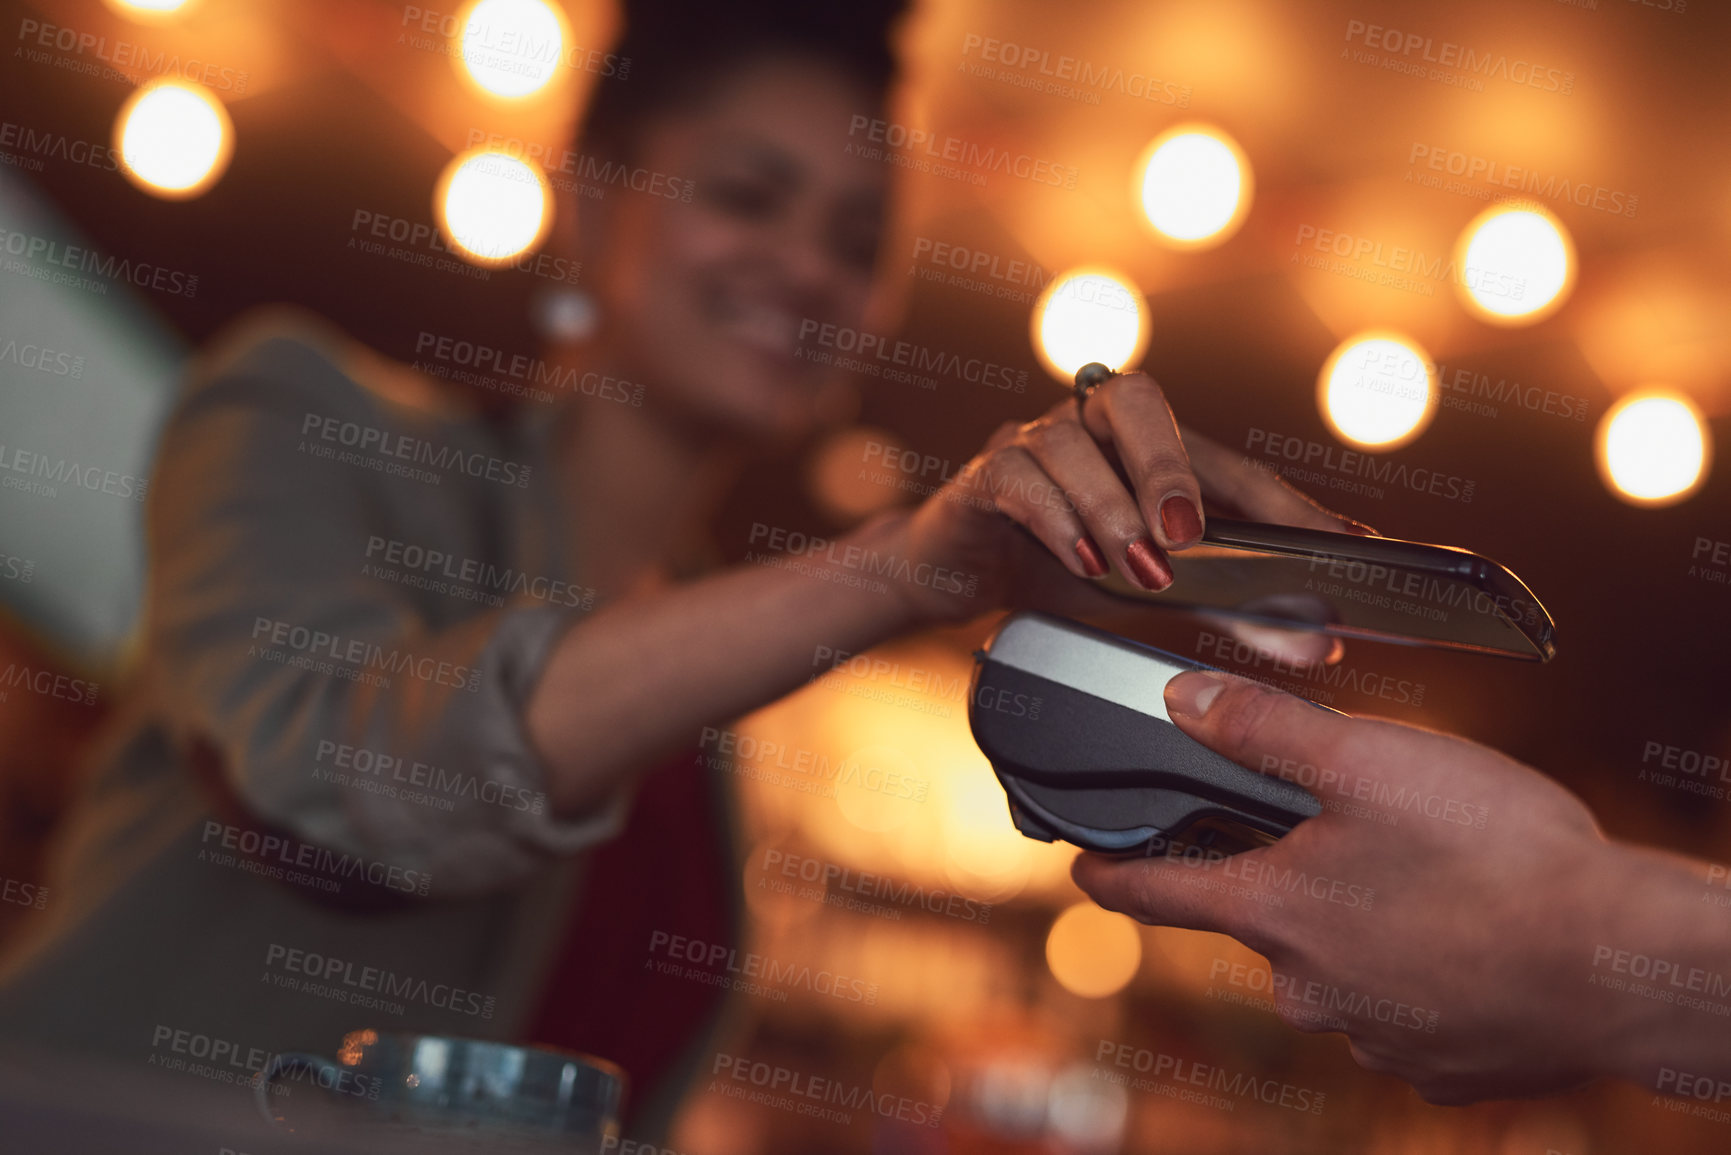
(1074, 722)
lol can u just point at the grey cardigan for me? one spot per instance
(349, 602)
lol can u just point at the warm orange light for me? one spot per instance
(1089, 314)
(1093, 952)
(511, 49)
(493, 207)
(783, 889)
(1193, 184)
(986, 856)
(1377, 390)
(354, 1045)
(860, 470)
(1653, 448)
(1515, 264)
(943, 823)
(174, 138)
(879, 788)
(151, 11)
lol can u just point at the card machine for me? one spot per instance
(1074, 722)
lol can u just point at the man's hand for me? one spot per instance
(1444, 911)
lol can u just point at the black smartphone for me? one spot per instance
(1366, 587)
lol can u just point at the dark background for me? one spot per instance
(339, 117)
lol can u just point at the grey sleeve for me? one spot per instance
(267, 642)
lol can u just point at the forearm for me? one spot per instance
(634, 681)
(1666, 965)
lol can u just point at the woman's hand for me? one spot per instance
(1108, 483)
(1456, 914)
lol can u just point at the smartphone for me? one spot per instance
(1365, 587)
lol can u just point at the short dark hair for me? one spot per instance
(681, 51)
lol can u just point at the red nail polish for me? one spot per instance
(1093, 561)
(1146, 563)
(1180, 520)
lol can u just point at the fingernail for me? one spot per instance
(1360, 529)
(1093, 561)
(1193, 693)
(1146, 563)
(1178, 516)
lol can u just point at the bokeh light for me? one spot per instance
(782, 887)
(1087, 1112)
(1653, 448)
(1012, 1094)
(1093, 952)
(1089, 314)
(1515, 264)
(174, 138)
(1377, 390)
(492, 206)
(986, 856)
(512, 48)
(1194, 186)
(860, 470)
(879, 788)
(150, 11)
(914, 1070)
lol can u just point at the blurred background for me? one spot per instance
(1526, 204)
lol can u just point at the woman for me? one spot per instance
(347, 790)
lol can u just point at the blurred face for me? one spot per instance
(706, 300)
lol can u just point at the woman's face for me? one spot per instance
(717, 302)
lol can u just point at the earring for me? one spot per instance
(564, 316)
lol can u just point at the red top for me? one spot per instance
(670, 870)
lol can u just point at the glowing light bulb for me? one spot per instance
(512, 48)
(1377, 390)
(150, 11)
(1093, 952)
(174, 138)
(1089, 315)
(1515, 264)
(1194, 185)
(493, 206)
(1653, 448)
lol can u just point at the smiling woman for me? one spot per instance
(360, 576)
(707, 293)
